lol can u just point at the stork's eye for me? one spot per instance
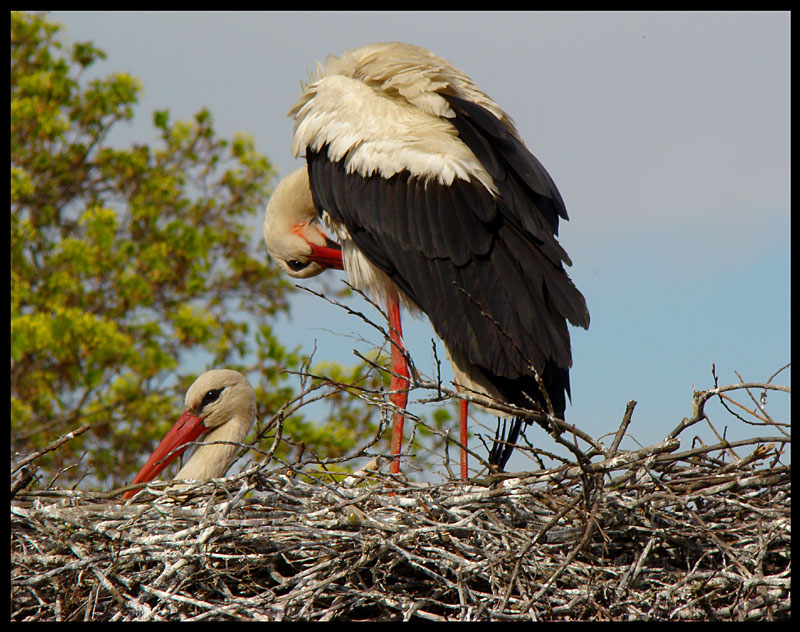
(296, 265)
(211, 396)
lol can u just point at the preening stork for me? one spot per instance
(221, 405)
(439, 206)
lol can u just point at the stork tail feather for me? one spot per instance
(503, 446)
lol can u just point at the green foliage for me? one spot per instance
(133, 269)
(128, 263)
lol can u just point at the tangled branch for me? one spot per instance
(656, 533)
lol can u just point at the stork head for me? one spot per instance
(215, 398)
(292, 230)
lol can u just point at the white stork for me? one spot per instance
(221, 405)
(439, 205)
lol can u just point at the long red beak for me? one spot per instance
(188, 428)
(329, 256)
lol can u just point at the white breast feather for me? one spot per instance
(371, 279)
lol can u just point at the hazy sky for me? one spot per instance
(666, 133)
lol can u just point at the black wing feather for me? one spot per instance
(487, 271)
(523, 164)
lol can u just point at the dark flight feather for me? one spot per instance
(487, 271)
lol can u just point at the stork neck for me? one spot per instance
(212, 461)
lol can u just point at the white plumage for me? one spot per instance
(373, 132)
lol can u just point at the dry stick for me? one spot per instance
(701, 397)
(493, 404)
(387, 337)
(759, 405)
(624, 460)
(368, 321)
(279, 416)
(626, 420)
(530, 545)
(744, 408)
(21, 480)
(719, 437)
(286, 409)
(627, 580)
(373, 466)
(297, 526)
(311, 593)
(52, 446)
(386, 406)
(587, 533)
(393, 409)
(761, 452)
(417, 420)
(728, 444)
(207, 530)
(720, 544)
(549, 420)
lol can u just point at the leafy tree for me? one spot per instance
(125, 262)
(130, 265)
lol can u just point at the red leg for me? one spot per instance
(399, 380)
(464, 405)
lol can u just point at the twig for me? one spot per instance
(51, 446)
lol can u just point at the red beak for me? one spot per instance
(329, 256)
(188, 428)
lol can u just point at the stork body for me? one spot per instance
(439, 206)
(221, 405)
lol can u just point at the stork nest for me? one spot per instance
(654, 534)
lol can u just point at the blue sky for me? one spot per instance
(667, 135)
